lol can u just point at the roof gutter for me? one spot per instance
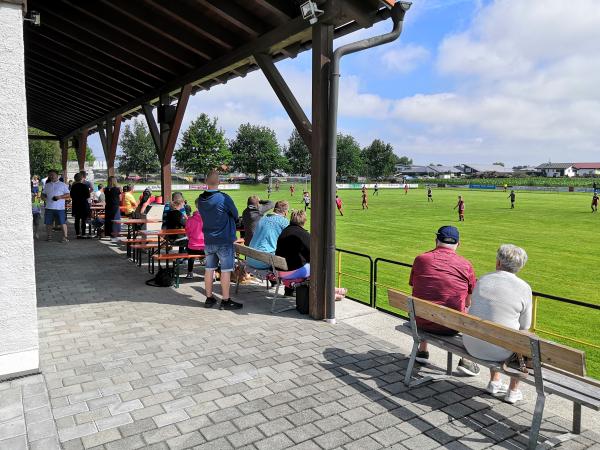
(397, 14)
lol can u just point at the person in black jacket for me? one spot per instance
(80, 205)
(255, 210)
(294, 245)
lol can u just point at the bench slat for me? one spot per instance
(516, 341)
(279, 262)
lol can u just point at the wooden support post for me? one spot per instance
(64, 157)
(165, 136)
(286, 97)
(81, 149)
(322, 50)
(109, 136)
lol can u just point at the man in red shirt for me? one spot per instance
(444, 278)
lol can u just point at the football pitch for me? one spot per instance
(558, 231)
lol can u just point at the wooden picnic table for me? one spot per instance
(133, 226)
(163, 234)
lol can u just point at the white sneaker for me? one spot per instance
(497, 387)
(513, 397)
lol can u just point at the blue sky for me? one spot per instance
(468, 81)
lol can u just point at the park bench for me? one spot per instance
(557, 369)
(276, 263)
(175, 258)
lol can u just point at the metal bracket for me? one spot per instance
(541, 396)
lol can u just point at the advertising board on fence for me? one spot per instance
(482, 186)
(372, 185)
(185, 187)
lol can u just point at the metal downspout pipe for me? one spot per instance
(397, 14)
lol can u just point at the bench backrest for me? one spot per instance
(551, 353)
(267, 258)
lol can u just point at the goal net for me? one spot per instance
(300, 184)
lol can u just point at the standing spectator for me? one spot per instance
(80, 206)
(36, 211)
(112, 195)
(35, 184)
(443, 278)
(85, 181)
(129, 201)
(267, 232)
(255, 210)
(55, 192)
(503, 298)
(195, 236)
(99, 194)
(219, 216)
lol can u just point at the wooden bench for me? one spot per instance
(557, 369)
(276, 264)
(174, 258)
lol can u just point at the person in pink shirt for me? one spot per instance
(193, 230)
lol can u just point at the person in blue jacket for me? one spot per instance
(219, 216)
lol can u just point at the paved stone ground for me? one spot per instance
(130, 366)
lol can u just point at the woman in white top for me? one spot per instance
(503, 298)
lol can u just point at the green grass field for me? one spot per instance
(557, 230)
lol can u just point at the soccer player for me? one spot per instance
(505, 187)
(595, 203)
(429, 195)
(512, 197)
(338, 203)
(376, 189)
(276, 185)
(306, 200)
(292, 189)
(406, 189)
(461, 209)
(365, 199)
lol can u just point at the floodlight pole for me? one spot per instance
(397, 14)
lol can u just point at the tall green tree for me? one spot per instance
(404, 160)
(297, 154)
(43, 155)
(203, 146)
(89, 155)
(379, 159)
(349, 162)
(138, 154)
(255, 150)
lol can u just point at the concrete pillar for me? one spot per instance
(19, 347)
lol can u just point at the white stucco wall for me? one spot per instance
(18, 314)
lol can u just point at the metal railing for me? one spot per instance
(374, 284)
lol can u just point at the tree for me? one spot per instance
(255, 150)
(89, 155)
(379, 159)
(43, 155)
(499, 164)
(138, 153)
(349, 162)
(203, 146)
(297, 154)
(404, 160)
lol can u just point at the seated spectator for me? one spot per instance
(195, 236)
(129, 201)
(255, 211)
(267, 232)
(145, 203)
(294, 245)
(443, 277)
(177, 204)
(112, 194)
(505, 299)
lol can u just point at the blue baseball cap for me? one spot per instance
(448, 235)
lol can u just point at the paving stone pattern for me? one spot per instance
(129, 366)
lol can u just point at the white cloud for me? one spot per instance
(404, 58)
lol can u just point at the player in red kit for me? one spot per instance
(461, 209)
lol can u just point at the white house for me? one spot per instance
(588, 169)
(481, 169)
(558, 169)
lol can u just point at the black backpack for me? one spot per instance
(164, 278)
